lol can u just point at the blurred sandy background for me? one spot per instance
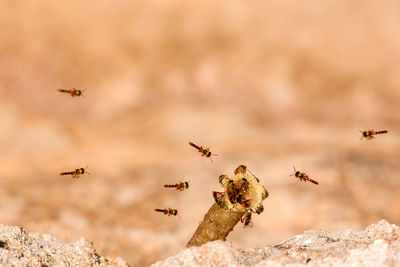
(271, 85)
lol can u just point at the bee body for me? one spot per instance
(168, 211)
(75, 173)
(223, 179)
(259, 209)
(369, 134)
(265, 194)
(302, 177)
(242, 201)
(240, 169)
(179, 186)
(246, 219)
(205, 152)
(73, 92)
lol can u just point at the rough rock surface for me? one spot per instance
(377, 245)
(21, 248)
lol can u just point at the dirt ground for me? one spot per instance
(268, 84)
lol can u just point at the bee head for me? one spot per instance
(260, 209)
(186, 185)
(297, 174)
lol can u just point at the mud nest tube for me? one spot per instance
(242, 197)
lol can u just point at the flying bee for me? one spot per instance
(369, 134)
(259, 209)
(73, 92)
(219, 198)
(179, 186)
(75, 173)
(302, 176)
(246, 219)
(168, 211)
(204, 151)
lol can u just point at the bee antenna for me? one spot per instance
(250, 172)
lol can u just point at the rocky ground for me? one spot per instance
(19, 247)
(377, 245)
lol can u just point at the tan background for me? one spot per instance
(271, 84)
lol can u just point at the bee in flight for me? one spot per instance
(369, 134)
(204, 151)
(73, 92)
(75, 173)
(179, 186)
(302, 176)
(168, 211)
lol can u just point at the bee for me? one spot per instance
(369, 134)
(302, 176)
(73, 92)
(168, 211)
(243, 169)
(179, 186)
(204, 151)
(75, 173)
(246, 219)
(219, 198)
(265, 194)
(259, 209)
(231, 190)
(244, 202)
(236, 191)
(223, 179)
(240, 169)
